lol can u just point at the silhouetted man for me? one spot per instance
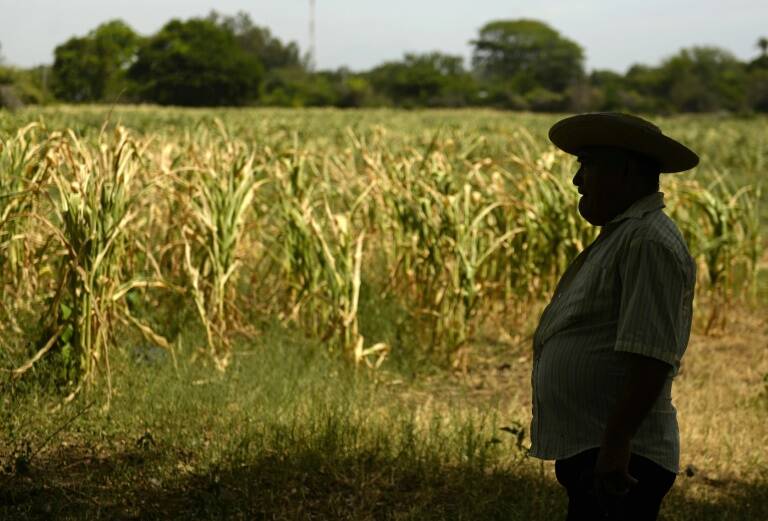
(610, 341)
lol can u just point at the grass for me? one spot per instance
(291, 432)
(288, 431)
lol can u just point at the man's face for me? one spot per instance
(601, 179)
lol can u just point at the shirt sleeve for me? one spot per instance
(652, 302)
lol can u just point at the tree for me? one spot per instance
(76, 75)
(761, 62)
(610, 86)
(196, 63)
(640, 88)
(259, 42)
(757, 88)
(93, 68)
(354, 90)
(528, 55)
(295, 87)
(432, 79)
(702, 79)
(117, 43)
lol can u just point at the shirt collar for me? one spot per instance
(639, 208)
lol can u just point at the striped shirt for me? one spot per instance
(630, 291)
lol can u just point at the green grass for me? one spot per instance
(292, 432)
(287, 433)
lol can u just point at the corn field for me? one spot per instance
(108, 218)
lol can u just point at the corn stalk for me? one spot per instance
(321, 260)
(94, 203)
(221, 191)
(25, 167)
(722, 227)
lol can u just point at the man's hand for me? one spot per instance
(611, 475)
(611, 479)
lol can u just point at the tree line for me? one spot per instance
(519, 64)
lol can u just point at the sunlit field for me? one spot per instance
(324, 314)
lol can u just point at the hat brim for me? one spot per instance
(615, 130)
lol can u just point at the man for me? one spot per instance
(610, 341)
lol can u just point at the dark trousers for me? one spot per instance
(641, 503)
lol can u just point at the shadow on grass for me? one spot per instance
(155, 484)
(140, 484)
(730, 501)
(289, 433)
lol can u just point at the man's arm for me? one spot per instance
(655, 293)
(645, 379)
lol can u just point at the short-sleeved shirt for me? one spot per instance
(630, 291)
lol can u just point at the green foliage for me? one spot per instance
(76, 72)
(543, 100)
(432, 79)
(295, 87)
(6, 75)
(757, 90)
(259, 42)
(757, 82)
(355, 90)
(702, 79)
(527, 53)
(19, 87)
(699, 79)
(93, 68)
(195, 63)
(220, 192)
(762, 44)
(517, 64)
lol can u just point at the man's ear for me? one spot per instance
(634, 177)
(631, 170)
(628, 169)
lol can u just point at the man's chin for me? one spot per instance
(583, 209)
(588, 215)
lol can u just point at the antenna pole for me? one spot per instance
(311, 35)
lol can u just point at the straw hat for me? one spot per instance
(614, 129)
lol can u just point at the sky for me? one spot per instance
(361, 34)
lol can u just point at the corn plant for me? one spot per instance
(94, 203)
(221, 188)
(25, 166)
(411, 192)
(554, 232)
(476, 220)
(472, 244)
(441, 233)
(721, 225)
(321, 258)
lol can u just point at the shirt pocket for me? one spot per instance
(594, 294)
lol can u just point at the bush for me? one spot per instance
(20, 87)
